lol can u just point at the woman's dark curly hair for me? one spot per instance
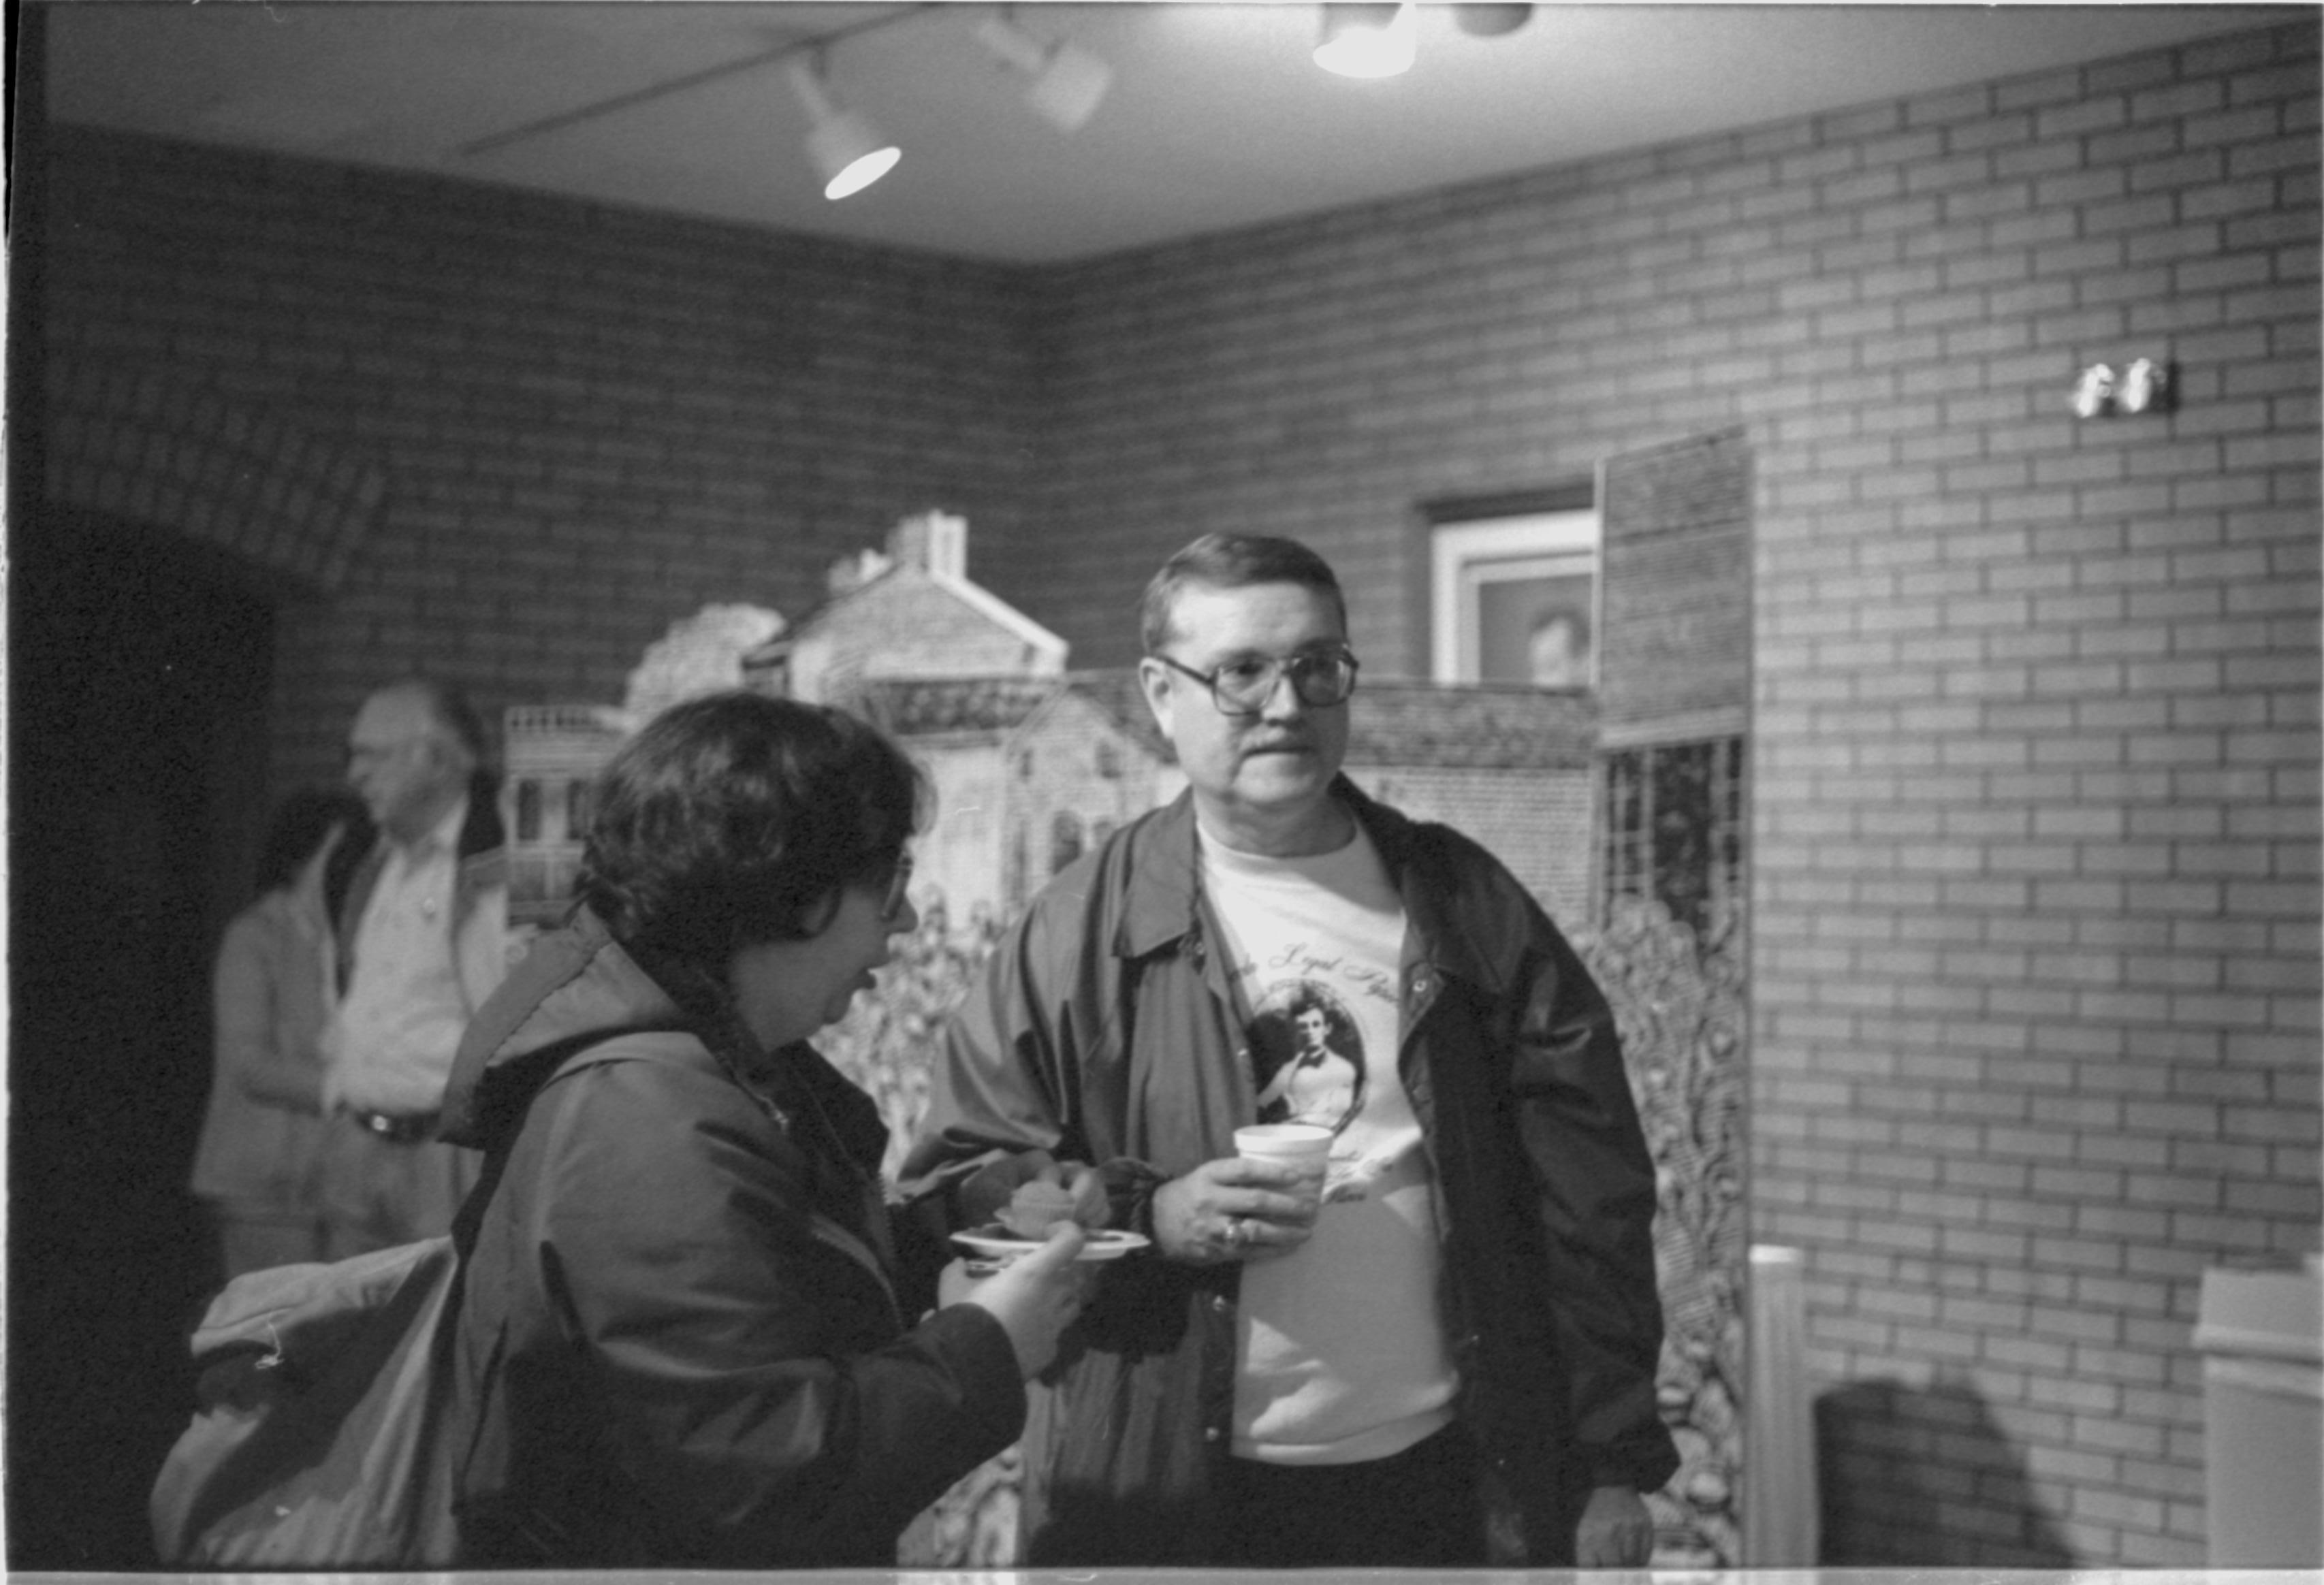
(729, 818)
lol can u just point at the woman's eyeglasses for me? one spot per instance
(900, 881)
(1242, 686)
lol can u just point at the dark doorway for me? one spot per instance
(138, 681)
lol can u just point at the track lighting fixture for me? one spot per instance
(1067, 80)
(1368, 40)
(848, 152)
(1484, 20)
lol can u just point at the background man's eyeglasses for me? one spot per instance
(1321, 677)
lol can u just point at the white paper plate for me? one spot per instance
(995, 1243)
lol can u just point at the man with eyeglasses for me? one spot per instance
(1448, 1359)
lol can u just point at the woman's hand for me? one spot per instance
(1617, 1531)
(1034, 1297)
(1236, 1209)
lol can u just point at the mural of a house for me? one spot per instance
(1030, 773)
(1032, 764)
(554, 753)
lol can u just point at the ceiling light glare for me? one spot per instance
(1067, 80)
(848, 152)
(1368, 41)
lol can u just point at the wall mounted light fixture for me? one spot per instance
(2093, 391)
(2145, 385)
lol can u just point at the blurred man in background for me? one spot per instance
(424, 939)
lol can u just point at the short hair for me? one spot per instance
(728, 819)
(299, 823)
(1308, 999)
(1232, 561)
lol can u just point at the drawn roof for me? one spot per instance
(981, 601)
(923, 707)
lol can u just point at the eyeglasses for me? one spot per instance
(1319, 677)
(900, 881)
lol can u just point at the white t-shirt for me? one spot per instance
(1340, 1354)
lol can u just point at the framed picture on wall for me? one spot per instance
(1514, 599)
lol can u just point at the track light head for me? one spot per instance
(1368, 41)
(1067, 80)
(1482, 20)
(848, 151)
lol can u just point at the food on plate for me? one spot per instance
(1036, 1207)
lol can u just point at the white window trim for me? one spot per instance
(1526, 545)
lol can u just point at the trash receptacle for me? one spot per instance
(2260, 1334)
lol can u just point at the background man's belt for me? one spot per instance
(403, 1131)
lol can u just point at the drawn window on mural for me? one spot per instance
(528, 811)
(1516, 599)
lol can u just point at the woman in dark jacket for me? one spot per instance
(688, 1336)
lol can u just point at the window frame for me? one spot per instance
(1466, 554)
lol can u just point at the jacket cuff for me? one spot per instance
(983, 1360)
(1130, 1186)
(1647, 1462)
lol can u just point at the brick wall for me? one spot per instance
(555, 427)
(2035, 955)
(2036, 961)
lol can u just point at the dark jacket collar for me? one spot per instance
(1163, 880)
(574, 988)
(480, 829)
(579, 987)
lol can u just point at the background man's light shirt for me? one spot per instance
(392, 1045)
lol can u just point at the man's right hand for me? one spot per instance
(1235, 1208)
(1034, 1297)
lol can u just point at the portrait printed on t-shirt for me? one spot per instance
(1310, 1056)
